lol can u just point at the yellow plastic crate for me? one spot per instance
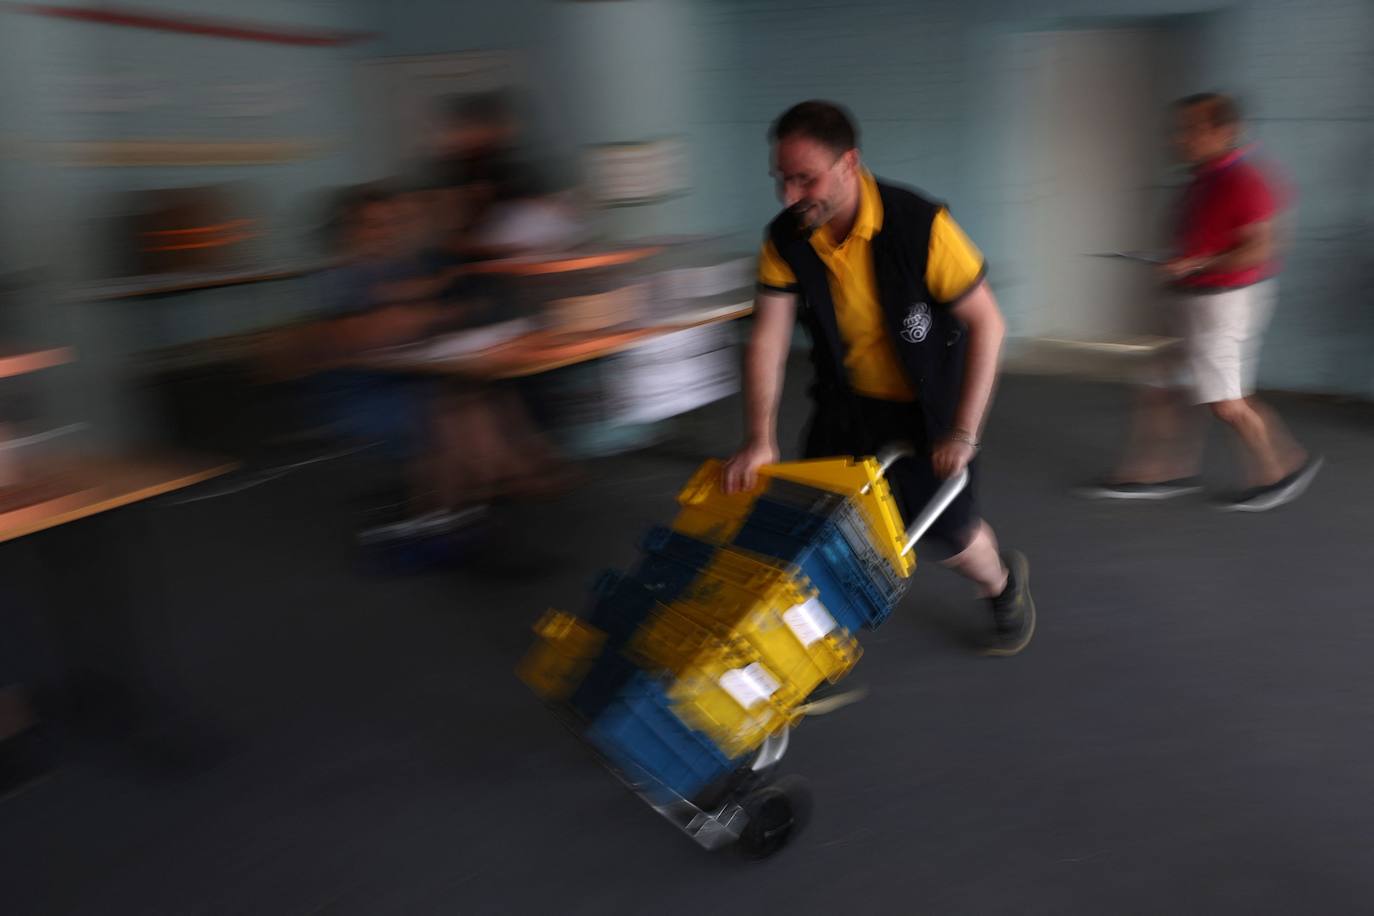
(710, 514)
(673, 638)
(731, 700)
(802, 658)
(777, 614)
(751, 610)
(561, 655)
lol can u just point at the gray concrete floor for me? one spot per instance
(1190, 732)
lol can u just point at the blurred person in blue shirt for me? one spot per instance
(459, 443)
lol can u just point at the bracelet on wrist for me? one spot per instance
(964, 436)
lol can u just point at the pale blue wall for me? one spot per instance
(48, 218)
(932, 82)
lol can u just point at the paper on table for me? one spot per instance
(703, 314)
(672, 374)
(705, 281)
(465, 343)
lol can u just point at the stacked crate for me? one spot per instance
(682, 667)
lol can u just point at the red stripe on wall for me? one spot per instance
(210, 28)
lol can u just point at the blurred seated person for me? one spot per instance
(460, 448)
(526, 217)
(495, 201)
(423, 265)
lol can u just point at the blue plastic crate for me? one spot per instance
(620, 603)
(844, 513)
(855, 530)
(842, 523)
(810, 499)
(605, 679)
(639, 732)
(672, 563)
(818, 547)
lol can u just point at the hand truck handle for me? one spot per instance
(890, 455)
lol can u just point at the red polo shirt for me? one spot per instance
(1225, 196)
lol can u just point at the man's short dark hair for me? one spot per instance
(1220, 110)
(825, 122)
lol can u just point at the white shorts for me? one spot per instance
(1219, 333)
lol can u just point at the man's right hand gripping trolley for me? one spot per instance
(687, 673)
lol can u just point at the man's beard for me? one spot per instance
(805, 218)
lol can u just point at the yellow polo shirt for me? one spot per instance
(953, 267)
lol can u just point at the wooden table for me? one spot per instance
(572, 262)
(543, 351)
(138, 287)
(103, 484)
(118, 679)
(91, 485)
(22, 362)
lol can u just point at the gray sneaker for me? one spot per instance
(1262, 499)
(1164, 489)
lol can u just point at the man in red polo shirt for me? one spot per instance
(1222, 277)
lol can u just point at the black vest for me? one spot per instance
(930, 341)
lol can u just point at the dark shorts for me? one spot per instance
(838, 431)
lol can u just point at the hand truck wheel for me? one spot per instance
(777, 813)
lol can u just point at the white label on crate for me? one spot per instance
(750, 685)
(810, 621)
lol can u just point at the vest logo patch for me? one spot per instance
(917, 323)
